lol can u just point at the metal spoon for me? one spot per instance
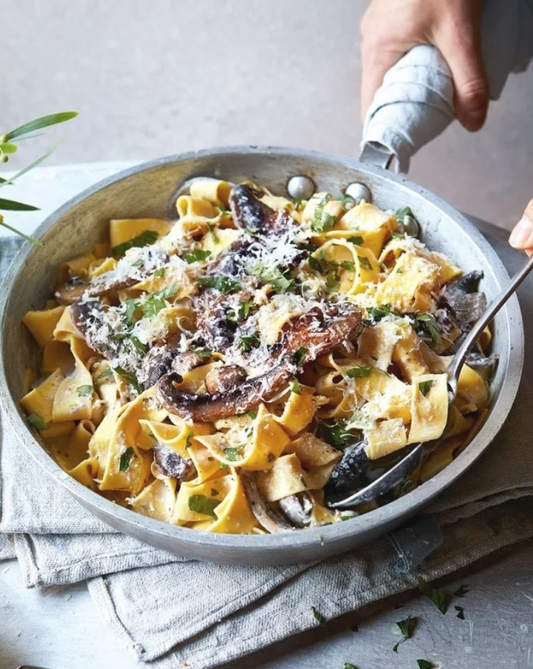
(414, 458)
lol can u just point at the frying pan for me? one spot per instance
(145, 191)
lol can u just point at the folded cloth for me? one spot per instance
(416, 100)
(170, 611)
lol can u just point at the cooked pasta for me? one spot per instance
(238, 369)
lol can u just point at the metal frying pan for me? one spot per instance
(146, 190)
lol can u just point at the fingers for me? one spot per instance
(522, 234)
(461, 49)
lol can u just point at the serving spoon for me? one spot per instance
(415, 457)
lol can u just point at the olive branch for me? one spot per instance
(7, 147)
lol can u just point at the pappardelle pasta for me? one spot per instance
(240, 368)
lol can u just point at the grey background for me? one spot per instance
(156, 77)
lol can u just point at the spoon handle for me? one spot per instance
(459, 358)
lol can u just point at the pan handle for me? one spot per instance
(376, 154)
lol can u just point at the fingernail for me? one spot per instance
(521, 233)
(474, 119)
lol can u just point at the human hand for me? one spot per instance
(390, 28)
(522, 234)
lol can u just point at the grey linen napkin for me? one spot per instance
(170, 611)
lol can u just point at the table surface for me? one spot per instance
(59, 628)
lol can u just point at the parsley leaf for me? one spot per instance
(462, 591)
(160, 272)
(197, 256)
(241, 314)
(295, 387)
(406, 628)
(156, 301)
(402, 213)
(358, 372)
(426, 327)
(335, 433)
(322, 220)
(233, 454)
(318, 616)
(84, 391)
(247, 342)
(461, 614)
(437, 596)
(188, 440)
(348, 265)
(377, 313)
(37, 422)
(201, 352)
(131, 308)
(252, 414)
(279, 281)
(425, 386)
(347, 665)
(224, 284)
(212, 233)
(298, 357)
(356, 240)
(138, 345)
(129, 377)
(424, 664)
(125, 459)
(144, 239)
(105, 374)
(203, 504)
(365, 262)
(405, 486)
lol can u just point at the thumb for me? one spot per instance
(462, 52)
(522, 234)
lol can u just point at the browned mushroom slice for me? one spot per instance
(297, 508)
(272, 522)
(313, 331)
(171, 464)
(222, 379)
(166, 357)
(74, 289)
(88, 318)
(252, 215)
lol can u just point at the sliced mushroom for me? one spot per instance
(349, 474)
(166, 357)
(247, 209)
(461, 296)
(171, 464)
(89, 320)
(222, 379)
(319, 331)
(298, 508)
(272, 521)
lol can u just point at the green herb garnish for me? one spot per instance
(318, 616)
(138, 345)
(203, 504)
(426, 327)
(461, 612)
(425, 386)
(247, 342)
(146, 238)
(129, 377)
(437, 596)
(84, 391)
(201, 352)
(212, 233)
(334, 433)
(347, 665)
(188, 440)
(299, 356)
(105, 374)
(377, 313)
(224, 284)
(405, 486)
(365, 262)
(156, 302)
(356, 240)
(406, 628)
(241, 314)
(322, 220)
(424, 664)
(402, 213)
(348, 265)
(125, 459)
(252, 414)
(197, 256)
(295, 387)
(233, 454)
(160, 272)
(461, 591)
(279, 281)
(129, 313)
(358, 372)
(37, 422)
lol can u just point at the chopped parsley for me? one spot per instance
(247, 342)
(138, 345)
(335, 433)
(138, 263)
(406, 628)
(233, 454)
(322, 220)
(156, 302)
(281, 282)
(223, 211)
(252, 414)
(129, 377)
(347, 665)
(188, 441)
(318, 616)
(224, 284)
(203, 504)
(295, 387)
(299, 356)
(426, 327)
(425, 386)
(105, 374)
(223, 465)
(303, 481)
(365, 262)
(201, 352)
(129, 314)
(84, 391)
(437, 596)
(461, 612)
(424, 664)
(377, 313)
(160, 272)
(358, 372)
(212, 233)
(402, 213)
(197, 256)
(462, 591)
(241, 313)
(405, 486)
(37, 422)
(348, 265)
(356, 240)
(144, 239)
(125, 459)
(347, 200)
